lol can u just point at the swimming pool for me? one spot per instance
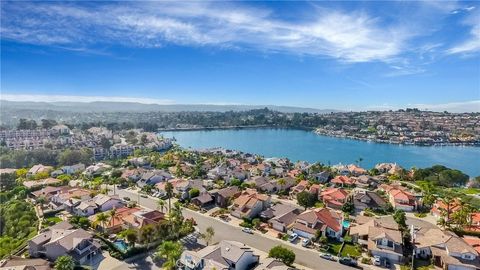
(346, 224)
(121, 245)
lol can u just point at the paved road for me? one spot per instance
(225, 231)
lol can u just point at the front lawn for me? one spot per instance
(350, 250)
(334, 247)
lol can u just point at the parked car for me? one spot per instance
(247, 230)
(126, 199)
(376, 260)
(347, 261)
(143, 195)
(305, 242)
(292, 237)
(327, 256)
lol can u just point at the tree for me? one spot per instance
(161, 205)
(169, 191)
(348, 206)
(283, 254)
(169, 251)
(400, 217)
(306, 199)
(131, 236)
(48, 123)
(208, 234)
(64, 262)
(101, 219)
(194, 192)
(147, 234)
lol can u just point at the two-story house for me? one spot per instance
(446, 249)
(325, 220)
(63, 239)
(226, 255)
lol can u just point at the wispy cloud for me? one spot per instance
(67, 98)
(472, 43)
(349, 37)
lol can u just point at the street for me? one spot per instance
(225, 231)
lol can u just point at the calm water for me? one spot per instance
(305, 145)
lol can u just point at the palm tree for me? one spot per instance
(208, 235)
(112, 214)
(169, 191)
(161, 205)
(169, 251)
(64, 262)
(101, 219)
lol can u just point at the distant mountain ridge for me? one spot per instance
(103, 106)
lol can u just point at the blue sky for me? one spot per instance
(340, 55)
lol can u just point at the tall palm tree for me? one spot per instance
(169, 191)
(112, 214)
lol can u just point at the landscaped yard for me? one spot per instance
(334, 247)
(53, 220)
(350, 250)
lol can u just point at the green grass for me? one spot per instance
(319, 205)
(53, 220)
(334, 247)
(351, 250)
(420, 215)
(470, 191)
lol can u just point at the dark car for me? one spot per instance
(348, 261)
(126, 198)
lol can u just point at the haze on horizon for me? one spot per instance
(323, 55)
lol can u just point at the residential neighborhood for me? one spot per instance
(107, 212)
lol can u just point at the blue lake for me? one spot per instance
(308, 146)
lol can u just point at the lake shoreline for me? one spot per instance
(434, 144)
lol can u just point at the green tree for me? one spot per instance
(131, 236)
(169, 191)
(101, 219)
(169, 251)
(194, 192)
(306, 199)
(348, 206)
(161, 205)
(64, 262)
(283, 254)
(208, 234)
(400, 217)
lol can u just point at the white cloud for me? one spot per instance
(349, 37)
(472, 43)
(66, 98)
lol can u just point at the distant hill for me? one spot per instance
(102, 106)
